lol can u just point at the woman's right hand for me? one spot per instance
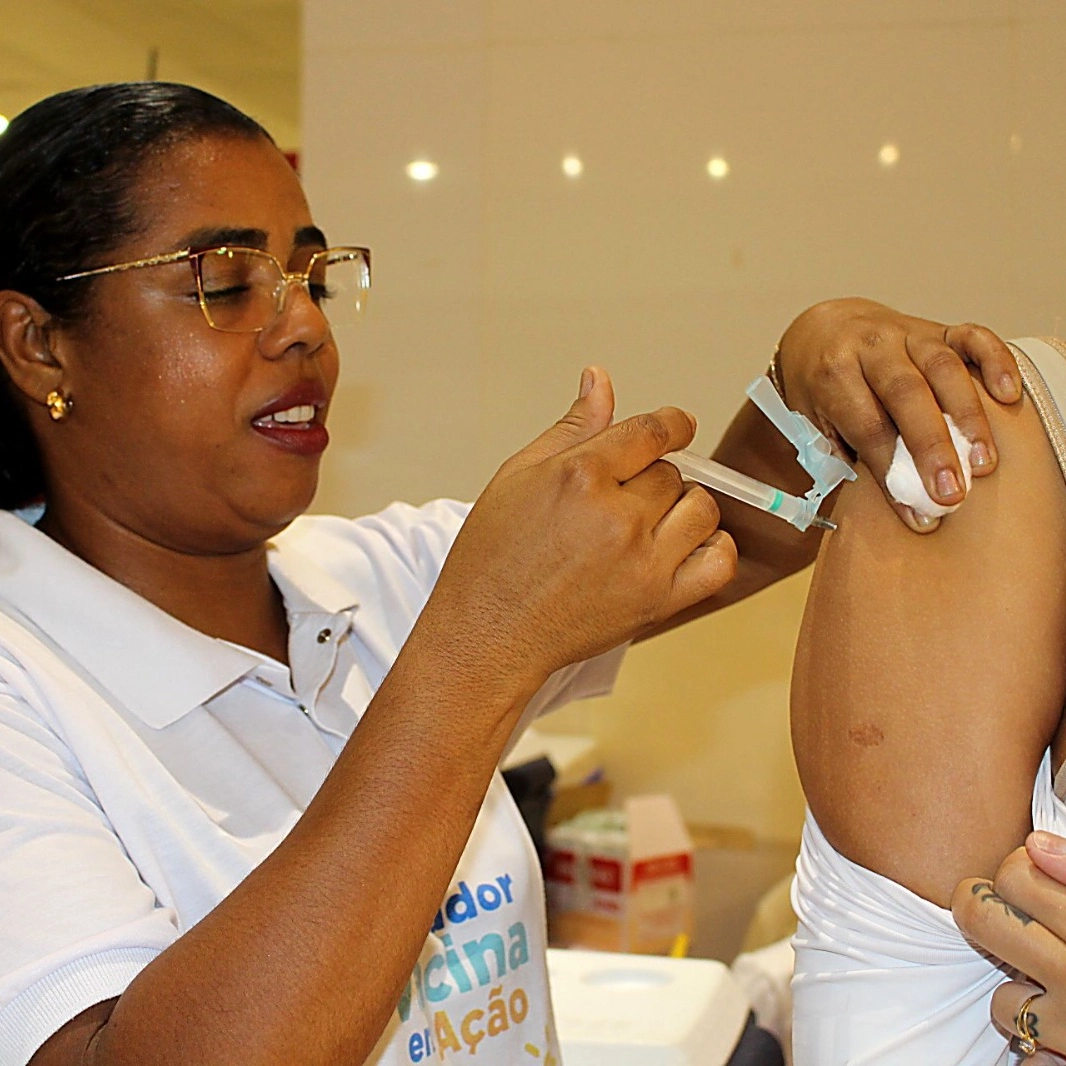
(580, 542)
(1020, 917)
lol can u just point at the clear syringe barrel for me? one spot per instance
(794, 509)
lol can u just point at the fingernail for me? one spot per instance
(1048, 843)
(588, 379)
(1007, 388)
(920, 523)
(979, 454)
(947, 484)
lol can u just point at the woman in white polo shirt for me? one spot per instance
(197, 865)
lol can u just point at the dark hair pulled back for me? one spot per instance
(68, 168)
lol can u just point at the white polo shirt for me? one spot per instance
(146, 769)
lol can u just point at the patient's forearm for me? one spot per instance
(753, 446)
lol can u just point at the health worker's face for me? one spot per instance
(197, 440)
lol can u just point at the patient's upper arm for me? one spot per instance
(931, 670)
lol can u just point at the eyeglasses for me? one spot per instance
(243, 290)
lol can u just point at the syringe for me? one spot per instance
(799, 511)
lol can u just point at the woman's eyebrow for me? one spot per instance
(216, 236)
(309, 235)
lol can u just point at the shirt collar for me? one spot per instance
(157, 667)
(304, 585)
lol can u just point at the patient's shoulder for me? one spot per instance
(931, 670)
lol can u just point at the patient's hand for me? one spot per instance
(1020, 916)
(859, 370)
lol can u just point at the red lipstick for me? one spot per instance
(293, 420)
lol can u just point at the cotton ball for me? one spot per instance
(905, 486)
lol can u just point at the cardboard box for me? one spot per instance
(622, 880)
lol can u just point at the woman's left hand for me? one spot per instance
(1020, 917)
(863, 373)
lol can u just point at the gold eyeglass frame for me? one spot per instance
(194, 257)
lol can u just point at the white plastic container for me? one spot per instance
(613, 1009)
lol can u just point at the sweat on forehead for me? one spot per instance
(218, 190)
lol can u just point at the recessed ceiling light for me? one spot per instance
(717, 167)
(3, 123)
(422, 170)
(572, 166)
(889, 155)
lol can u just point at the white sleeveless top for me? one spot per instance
(882, 976)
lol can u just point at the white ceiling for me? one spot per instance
(245, 50)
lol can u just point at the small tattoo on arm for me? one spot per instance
(987, 894)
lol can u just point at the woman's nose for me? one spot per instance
(300, 321)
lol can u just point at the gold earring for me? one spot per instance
(58, 405)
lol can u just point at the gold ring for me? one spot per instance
(1026, 1042)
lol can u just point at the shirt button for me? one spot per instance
(324, 635)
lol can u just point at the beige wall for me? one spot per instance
(498, 281)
